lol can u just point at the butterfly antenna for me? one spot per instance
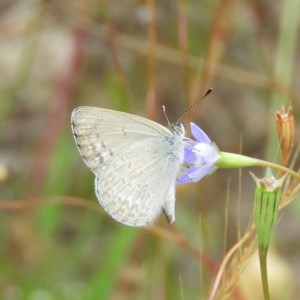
(194, 104)
(164, 111)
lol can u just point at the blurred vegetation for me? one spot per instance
(135, 56)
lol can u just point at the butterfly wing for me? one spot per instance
(134, 189)
(135, 161)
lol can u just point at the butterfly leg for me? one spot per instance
(169, 205)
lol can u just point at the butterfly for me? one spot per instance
(135, 162)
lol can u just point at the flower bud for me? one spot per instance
(267, 200)
(286, 132)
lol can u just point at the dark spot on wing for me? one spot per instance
(84, 157)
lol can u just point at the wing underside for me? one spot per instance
(131, 158)
(139, 197)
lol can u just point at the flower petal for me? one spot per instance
(199, 173)
(195, 174)
(189, 155)
(201, 155)
(199, 134)
(185, 177)
(205, 154)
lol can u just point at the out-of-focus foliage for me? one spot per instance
(135, 56)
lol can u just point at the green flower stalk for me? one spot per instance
(267, 199)
(232, 160)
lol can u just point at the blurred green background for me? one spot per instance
(56, 242)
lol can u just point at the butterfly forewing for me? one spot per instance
(135, 161)
(101, 133)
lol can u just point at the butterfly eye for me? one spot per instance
(179, 129)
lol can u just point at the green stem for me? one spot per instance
(263, 271)
(232, 160)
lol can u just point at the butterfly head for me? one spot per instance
(178, 129)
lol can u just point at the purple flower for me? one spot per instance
(200, 155)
